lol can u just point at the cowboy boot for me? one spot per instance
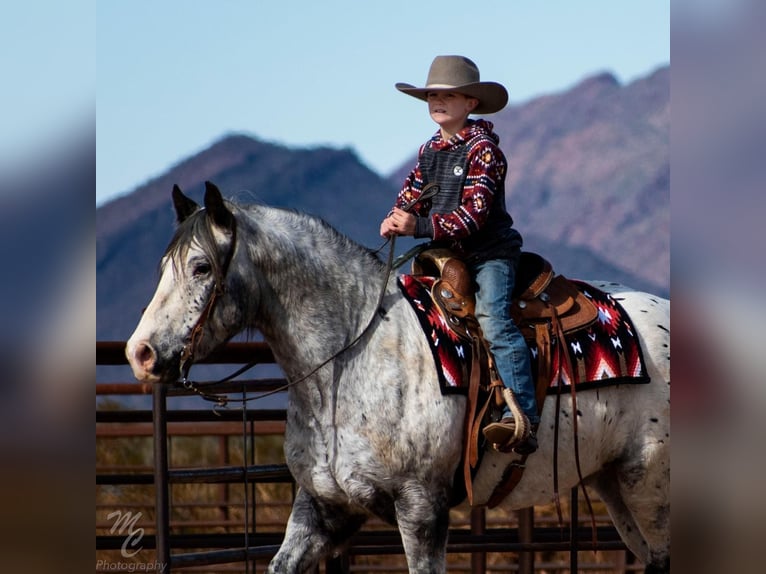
(501, 434)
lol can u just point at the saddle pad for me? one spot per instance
(606, 353)
(452, 354)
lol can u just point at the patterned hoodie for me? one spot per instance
(468, 214)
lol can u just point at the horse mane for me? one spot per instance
(297, 227)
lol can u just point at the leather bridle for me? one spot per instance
(190, 347)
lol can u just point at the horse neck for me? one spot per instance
(319, 289)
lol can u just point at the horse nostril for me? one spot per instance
(145, 356)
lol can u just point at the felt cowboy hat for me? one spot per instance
(459, 74)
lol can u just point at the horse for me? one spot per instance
(368, 430)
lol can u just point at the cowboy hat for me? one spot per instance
(459, 74)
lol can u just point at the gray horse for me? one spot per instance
(369, 432)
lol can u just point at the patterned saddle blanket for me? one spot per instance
(605, 353)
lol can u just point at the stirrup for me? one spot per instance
(507, 434)
(500, 433)
(529, 445)
(502, 439)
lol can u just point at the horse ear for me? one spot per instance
(183, 205)
(215, 207)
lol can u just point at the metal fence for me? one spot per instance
(236, 531)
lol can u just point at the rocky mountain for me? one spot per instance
(588, 186)
(133, 230)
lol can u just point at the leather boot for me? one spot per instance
(501, 433)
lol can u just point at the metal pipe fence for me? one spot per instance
(193, 544)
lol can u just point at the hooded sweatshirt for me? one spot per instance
(468, 214)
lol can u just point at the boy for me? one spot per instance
(468, 215)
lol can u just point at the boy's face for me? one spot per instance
(450, 109)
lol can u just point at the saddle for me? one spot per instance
(540, 296)
(545, 306)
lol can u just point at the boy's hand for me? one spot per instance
(386, 228)
(399, 222)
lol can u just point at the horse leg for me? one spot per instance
(423, 519)
(636, 493)
(645, 489)
(314, 530)
(606, 486)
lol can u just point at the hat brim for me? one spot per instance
(492, 96)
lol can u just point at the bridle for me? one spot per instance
(190, 346)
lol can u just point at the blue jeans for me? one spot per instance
(495, 280)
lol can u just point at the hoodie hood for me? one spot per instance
(470, 131)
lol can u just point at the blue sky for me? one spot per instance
(175, 76)
(48, 67)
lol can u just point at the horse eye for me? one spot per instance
(200, 269)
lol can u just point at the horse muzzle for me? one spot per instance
(146, 362)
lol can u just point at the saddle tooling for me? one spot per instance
(546, 307)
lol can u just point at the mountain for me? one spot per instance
(133, 231)
(591, 168)
(588, 186)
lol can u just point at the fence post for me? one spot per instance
(573, 530)
(526, 517)
(161, 492)
(223, 460)
(478, 526)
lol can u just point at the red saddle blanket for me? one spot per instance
(606, 353)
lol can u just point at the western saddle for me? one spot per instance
(541, 299)
(545, 306)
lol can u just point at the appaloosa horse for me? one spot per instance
(369, 431)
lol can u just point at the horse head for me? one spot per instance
(192, 310)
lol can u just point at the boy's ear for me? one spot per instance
(473, 103)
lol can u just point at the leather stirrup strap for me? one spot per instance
(562, 348)
(472, 420)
